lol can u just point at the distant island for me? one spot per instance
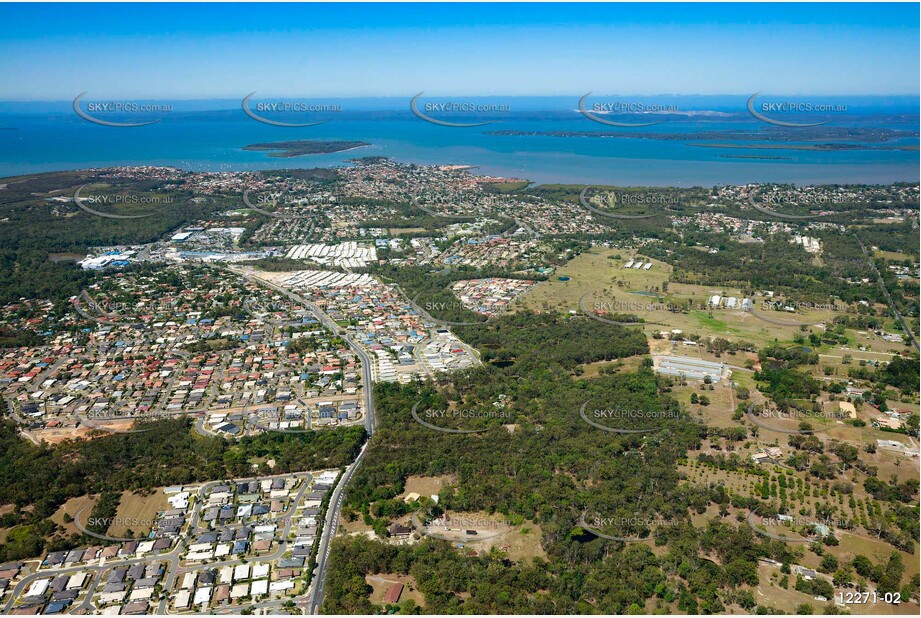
(831, 137)
(728, 156)
(818, 147)
(299, 148)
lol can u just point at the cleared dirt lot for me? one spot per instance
(380, 582)
(425, 485)
(520, 542)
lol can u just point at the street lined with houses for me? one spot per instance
(270, 529)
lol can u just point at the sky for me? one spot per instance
(202, 51)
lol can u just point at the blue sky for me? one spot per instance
(190, 51)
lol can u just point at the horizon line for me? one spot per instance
(449, 94)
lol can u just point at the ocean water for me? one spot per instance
(213, 141)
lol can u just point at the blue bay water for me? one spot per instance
(213, 141)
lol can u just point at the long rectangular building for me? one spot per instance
(691, 368)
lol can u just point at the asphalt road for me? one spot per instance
(172, 557)
(328, 322)
(882, 284)
(318, 586)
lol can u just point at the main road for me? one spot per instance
(866, 253)
(882, 284)
(331, 525)
(172, 558)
